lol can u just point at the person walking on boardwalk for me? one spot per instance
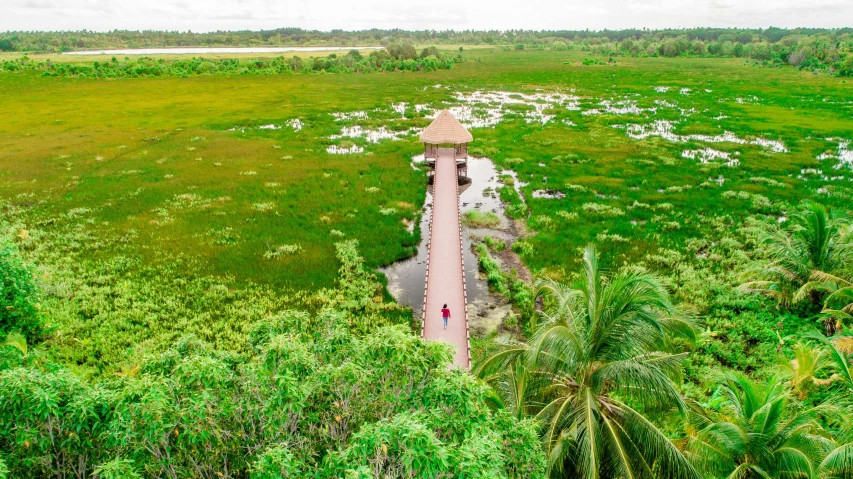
(445, 315)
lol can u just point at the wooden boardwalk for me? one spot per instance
(445, 278)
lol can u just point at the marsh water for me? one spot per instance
(211, 50)
(406, 279)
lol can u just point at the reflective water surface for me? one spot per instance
(406, 278)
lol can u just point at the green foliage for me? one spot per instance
(807, 370)
(815, 241)
(758, 435)
(838, 464)
(116, 469)
(506, 284)
(817, 49)
(19, 295)
(402, 447)
(523, 248)
(514, 205)
(276, 461)
(17, 341)
(153, 67)
(359, 293)
(313, 397)
(838, 360)
(602, 355)
(479, 219)
(495, 244)
(134, 252)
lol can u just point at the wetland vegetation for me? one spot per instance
(403, 58)
(189, 283)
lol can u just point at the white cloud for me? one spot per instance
(206, 15)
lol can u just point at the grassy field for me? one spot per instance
(153, 170)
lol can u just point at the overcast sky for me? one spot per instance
(206, 15)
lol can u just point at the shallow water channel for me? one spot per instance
(406, 279)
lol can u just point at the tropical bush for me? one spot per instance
(19, 307)
(148, 66)
(312, 400)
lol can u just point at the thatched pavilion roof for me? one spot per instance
(445, 129)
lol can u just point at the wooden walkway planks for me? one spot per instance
(445, 280)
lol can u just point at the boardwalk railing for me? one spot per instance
(450, 157)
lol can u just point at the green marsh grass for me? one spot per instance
(480, 219)
(146, 169)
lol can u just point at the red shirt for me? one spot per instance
(445, 312)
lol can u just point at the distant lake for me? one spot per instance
(205, 50)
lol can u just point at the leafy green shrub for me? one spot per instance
(602, 210)
(497, 245)
(18, 294)
(359, 293)
(117, 469)
(282, 251)
(516, 211)
(480, 219)
(506, 284)
(483, 151)
(845, 68)
(523, 248)
(493, 270)
(403, 446)
(313, 400)
(152, 67)
(276, 462)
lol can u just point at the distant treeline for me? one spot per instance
(394, 58)
(83, 40)
(830, 52)
(817, 49)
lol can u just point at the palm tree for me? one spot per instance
(838, 463)
(838, 305)
(840, 361)
(600, 355)
(806, 368)
(756, 436)
(814, 240)
(514, 386)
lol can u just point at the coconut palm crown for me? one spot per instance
(758, 435)
(599, 356)
(815, 240)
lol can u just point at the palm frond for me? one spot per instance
(669, 462)
(646, 379)
(499, 361)
(838, 464)
(17, 341)
(589, 437)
